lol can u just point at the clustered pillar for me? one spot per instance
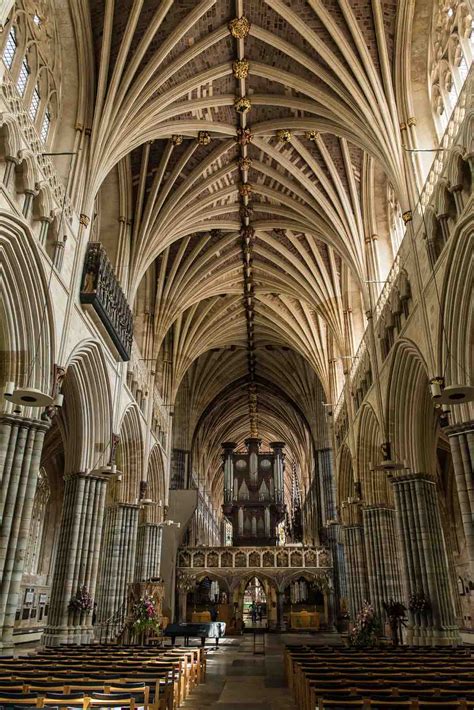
(149, 540)
(424, 558)
(461, 439)
(21, 444)
(118, 558)
(354, 548)
(78, 558)
(383, 571)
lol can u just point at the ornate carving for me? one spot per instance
(203, 138)
(241, 68)
(244, 136)
(245, 163)
(239, 27)
(407, 216)
(114, 442)
(312, 135)
(242, 104)
(245, 189)
(284, 135)
(246, 212)
(185, 582)
(101, 289)
(176, 139)
(247, 233)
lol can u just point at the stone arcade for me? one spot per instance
(236, 317)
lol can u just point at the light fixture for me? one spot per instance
(457, 394)
(27, 396)
(453, 394)
(436, 387)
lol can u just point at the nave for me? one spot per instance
(236, 342)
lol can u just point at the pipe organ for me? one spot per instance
(254, 491)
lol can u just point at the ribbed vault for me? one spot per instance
(245, 161)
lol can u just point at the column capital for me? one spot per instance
(28, 422)
(97, 474)
(460, 428)
(405, 475)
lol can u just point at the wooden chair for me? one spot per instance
(105, 700)
(135, 689)
(70, 700)
(9, 699)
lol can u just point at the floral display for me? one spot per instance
(82, 602)
(419, 603)
(145, 615)
(367, 628)
(396, 613)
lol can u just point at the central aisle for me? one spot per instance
(238, 679)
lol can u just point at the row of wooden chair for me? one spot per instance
(102, 676)
(343, 678)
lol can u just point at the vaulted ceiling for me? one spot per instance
(247, 152)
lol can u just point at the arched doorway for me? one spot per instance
(255, 605)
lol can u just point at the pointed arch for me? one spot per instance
(410, 411)
(130, 454)
(86, 417)
(27, 337)
(157, 489)
(375, 485)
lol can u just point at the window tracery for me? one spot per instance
(451, 55)
(31, 54)
(395, 220)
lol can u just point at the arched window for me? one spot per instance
(451, 55)
(30, 52)
(10, 48)
(23, 76)
(35, 103)
(395, 220)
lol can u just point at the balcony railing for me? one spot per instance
(101, 290)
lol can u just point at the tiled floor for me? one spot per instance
(238, 679)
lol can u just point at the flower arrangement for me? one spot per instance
(367, 628)
(82, 602)
(145, 615)
(419, 603)
(394, 609)
(396, 617)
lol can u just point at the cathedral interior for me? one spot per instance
(236, 324)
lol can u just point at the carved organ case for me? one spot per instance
(254, 492)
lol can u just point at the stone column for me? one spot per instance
(118, 558)
(354, 550)
(424, 557)
(21, 444)
(461, 440)
(183, 602)
(383, 570)
(77, 560)
(334, 534)
(148, 560)
(280, 610)
(326, 477)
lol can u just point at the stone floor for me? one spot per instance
(238, 679)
